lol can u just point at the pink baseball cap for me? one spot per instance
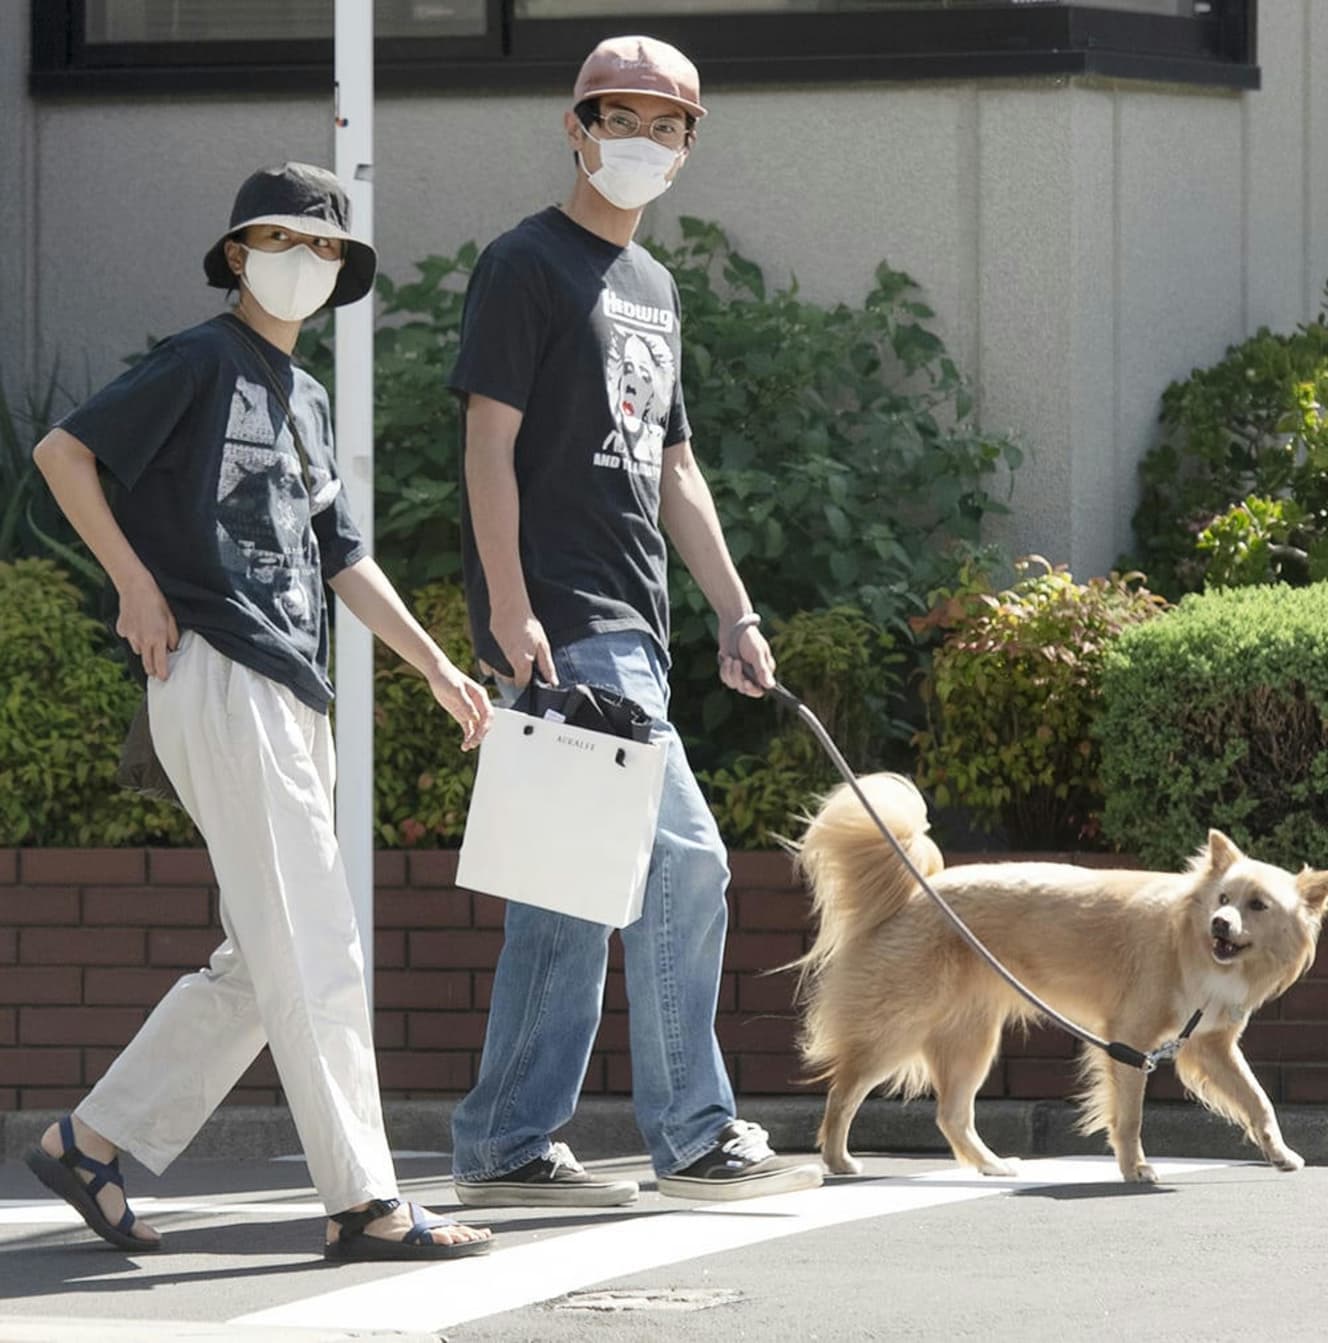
(640, 65)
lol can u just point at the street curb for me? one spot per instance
(604, 1127)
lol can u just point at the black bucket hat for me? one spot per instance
(307, 199)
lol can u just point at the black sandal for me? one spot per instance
(352, 1246)
(58, 1175)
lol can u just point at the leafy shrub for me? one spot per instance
(1249, 430)
(844, 668)
(1250, 543)
(1012, 694)
(840, 448)
(1217, 715)
(65, 705)
(422, 781)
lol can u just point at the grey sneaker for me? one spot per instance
(741, 1165)
(557, 1180)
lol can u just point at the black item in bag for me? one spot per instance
(595, 707)
(139, 770)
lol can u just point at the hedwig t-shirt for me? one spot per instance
(582, 337)
(214, 500)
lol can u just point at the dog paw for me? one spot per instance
(1143, 1173)
(1001, 1168)
(842, 1165)
(1286, 1159)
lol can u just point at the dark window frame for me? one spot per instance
(742, 48)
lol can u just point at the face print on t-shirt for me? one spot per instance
(263, 532)
(639, 374)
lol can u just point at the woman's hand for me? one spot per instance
(465, 700)
(146, 623)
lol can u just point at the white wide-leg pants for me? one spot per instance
(254, 768)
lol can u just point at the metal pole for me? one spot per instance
(354, 104)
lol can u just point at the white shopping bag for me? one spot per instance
(563, 818)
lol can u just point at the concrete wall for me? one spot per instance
(1083, 243)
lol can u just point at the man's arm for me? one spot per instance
(145, 620)
(688, 514)
(374, 602)
(495, 515)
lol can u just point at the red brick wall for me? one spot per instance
(91, 939)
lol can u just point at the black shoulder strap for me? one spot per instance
(236, 326)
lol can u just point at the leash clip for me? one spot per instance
(1166, 1053)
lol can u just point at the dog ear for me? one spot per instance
(1313, 888)
(1222, 853)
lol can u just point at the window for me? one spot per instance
(115, 22)
(286, 45)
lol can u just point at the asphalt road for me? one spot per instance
(913, 1249)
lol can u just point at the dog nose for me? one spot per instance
(1221, 925)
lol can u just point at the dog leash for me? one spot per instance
(1146, 1061)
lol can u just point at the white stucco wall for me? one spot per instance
(1083, 244)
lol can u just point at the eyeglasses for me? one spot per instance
(623, 124)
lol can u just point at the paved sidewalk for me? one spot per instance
(913, 1249)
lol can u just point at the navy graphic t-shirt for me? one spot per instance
(582, 337)
(214, 500)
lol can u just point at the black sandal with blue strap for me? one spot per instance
(352, 1246)
(59, 1175)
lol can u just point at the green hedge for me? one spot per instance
(1012, 693)
(1216, 714)
(65, 703)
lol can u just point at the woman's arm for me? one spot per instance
(145, 620)
(365, 589)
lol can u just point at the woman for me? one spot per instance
(231, 521)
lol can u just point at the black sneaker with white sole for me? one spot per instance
(557, 1180)
(741, 1165)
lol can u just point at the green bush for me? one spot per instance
(840, 446)
(845, 669)
(1012, 693)
(1248, 431)
(422, 781)
(65, 704)
(1217, 715)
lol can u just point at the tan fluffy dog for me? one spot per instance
(895, 997)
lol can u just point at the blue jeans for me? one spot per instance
(549, 989)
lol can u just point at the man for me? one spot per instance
(576, 451)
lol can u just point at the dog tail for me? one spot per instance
(856, 879)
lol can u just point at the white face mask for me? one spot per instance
(631, 172)
(290, 285)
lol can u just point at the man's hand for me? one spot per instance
(146, 623)
(465, 700)
(524, 645)
(753, 657)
